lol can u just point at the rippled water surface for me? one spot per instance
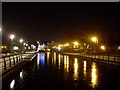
(55, 71)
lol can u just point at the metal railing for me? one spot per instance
(107, 58)
(8, 61)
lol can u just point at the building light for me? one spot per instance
(15, 48)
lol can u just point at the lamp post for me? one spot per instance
(12, 36)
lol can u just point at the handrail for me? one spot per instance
(109, 58)
(10, 61)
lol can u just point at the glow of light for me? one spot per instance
(85, 68)
(12, 36)
(12, 84)
(48, 49)
(118, 47)
(94, 75)
(0, 29)
(38, 56)
(21, 40)
(2, 46)
(21, 75)
(24, 44)
(61, 45)
(59, 48)
(54, 58)
(76, 69)
(15, 48)
(84, 43)
(5, 47)
(67, 64)
(76, 43)
(48, 56)
(37, 42)
(67, 44)
(28, 47)
(102, 47)
(42, 58)
(59, 61)
(94, 39)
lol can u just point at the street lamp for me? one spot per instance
(94, 39)
(12, 36)
(102, 47)
(21, 40)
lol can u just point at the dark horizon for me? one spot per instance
(61, 21)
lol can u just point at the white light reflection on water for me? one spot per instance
(75, 69)
(38, 56)
(66, 63)
(85, 68)
(54, 58)
(48, 57)
(21, 74)
(12, 84)
(40, 59)
(94, 75)
(59, 60)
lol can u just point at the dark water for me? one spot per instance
(54, 71)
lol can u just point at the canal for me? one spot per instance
(55, 71)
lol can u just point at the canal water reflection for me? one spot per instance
(55, 71)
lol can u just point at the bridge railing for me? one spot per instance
(107, 58)
(6, 62)
(9, 61)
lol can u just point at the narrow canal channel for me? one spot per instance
(62, 72)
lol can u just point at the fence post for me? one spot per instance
(10, 61)
(17, 58)
(114, 58)
(108, 57)
(4, 64)
(14, 59)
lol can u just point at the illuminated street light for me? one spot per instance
(21, 40)
(94, 39)
(38, 42)
(76, 43)
(102, 47)
(24, 44)
(12, 37)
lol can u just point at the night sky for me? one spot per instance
(62, 21)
